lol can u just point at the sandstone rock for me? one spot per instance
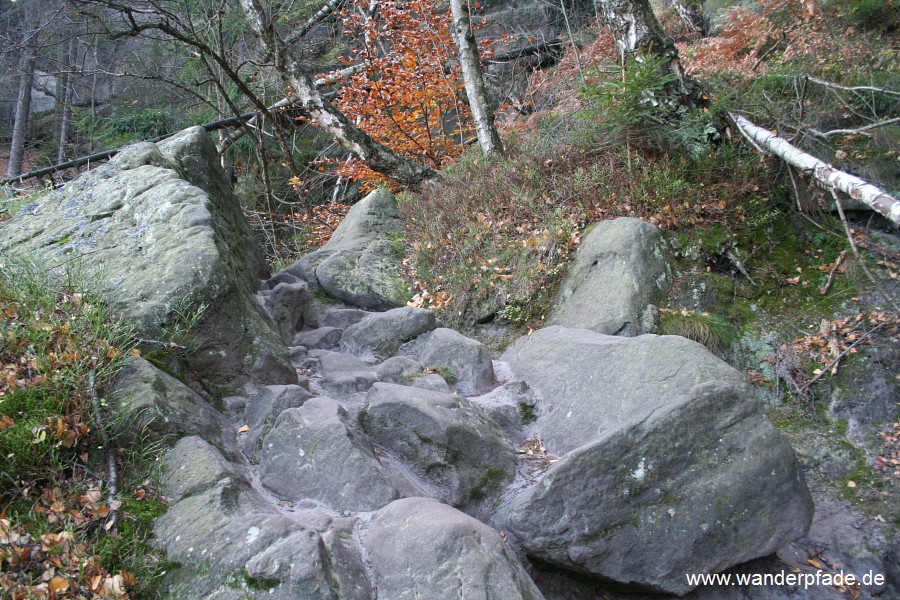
(287, 304)
(153, 406)
(359, 265)
(342, 318)
(432, 382)
(344, 374)
(167, 240)
(511, 406)
(263, 409)
(324, 338)
(444, 438)
(397, 369)
(466, 358)
(379, 336)
(618, 274)
(668, 465)
(219, 528)
(420, 548)
(312, 452)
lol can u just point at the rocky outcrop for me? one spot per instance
(152, 406)
(360, 264)
(618, 276)
(313, 452)
(444, 438)
(667, 463)
(380, 335)
(230, 542)
(168, 245)
(466, 359)
(420, 548)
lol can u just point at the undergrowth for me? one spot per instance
(57, 537)
(495, 236)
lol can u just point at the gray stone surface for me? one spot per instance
(312, 452)
(342, 318)
(432, 382)
(165, 237)
(263, 408)
(619, 272)
(397, 369)
(466, 358)
(668, 465)
(380, 335)
(360, 265)
(512, 406)
(420, 548)
(444, 438)
(287, 303)
(228, 541)
(151, 405)
(344, 374)
(324, 338)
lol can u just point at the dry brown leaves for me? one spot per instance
(888, 462)
(834, 337)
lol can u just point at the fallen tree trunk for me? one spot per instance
(212, 126)
(831, 178)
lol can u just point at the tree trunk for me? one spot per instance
(23, 112)
(870, 195)
(65, 97)
(376, 156)
(691, 12)
(470, 63)
(635, 30)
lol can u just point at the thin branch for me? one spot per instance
(859, 259)
(831, 273)
(859, 131)
(330, 7)
(857, 88)
(833, 364)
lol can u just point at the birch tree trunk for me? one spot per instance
(23, 112)
(635, 29)
(858, 189)
(378, 157)
(470, 64)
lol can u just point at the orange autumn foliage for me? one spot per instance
(409, 95)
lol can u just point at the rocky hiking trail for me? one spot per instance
(346, 446)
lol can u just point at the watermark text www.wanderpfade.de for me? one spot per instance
(804, 580)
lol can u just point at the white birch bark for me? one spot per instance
(470, 64)
(858, 189)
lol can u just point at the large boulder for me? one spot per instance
(153, 406)
(443, 438)
(360, 263)
(170, 248)
(618, 275)
(230, 542)
(668, 464)
(466, 359)
(420, 548)
(263, 408)
(380, 335)
(312, 452)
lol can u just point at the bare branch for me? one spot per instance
(857, 88)
(859, 131)
(332, 6)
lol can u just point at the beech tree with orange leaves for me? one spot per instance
(407, 94)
